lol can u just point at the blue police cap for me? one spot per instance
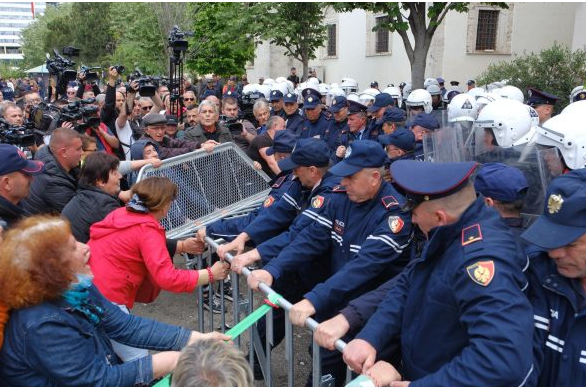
(501, 182)
(312, 98)
(276, 95)
(284, 142)
(374, 84)
(338, 103)
(402, 138)
(208, 93)
(355, 107)
(380, 101)
(537, 97)
(471, 82)
(423, 181)
(564, 213)
(230, 94)
(308, 152)
(307, 91)
(440, 80)
(392, 114)
(13, 159)
(359, 155)
(425, 120)
(290, 98)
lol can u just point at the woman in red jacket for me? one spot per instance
(129, 257)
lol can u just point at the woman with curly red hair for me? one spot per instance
(60, 325)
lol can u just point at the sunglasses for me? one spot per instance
(189, 99)
(145, 108)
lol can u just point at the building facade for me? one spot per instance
(14, 17)
(462, 48)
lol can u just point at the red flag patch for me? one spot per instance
(482, 272)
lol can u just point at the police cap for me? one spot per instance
(537, 97)
(564, 213)
(338, 103)
(13, 159)
(402, 138)
(501, 182)
(308, 152)
(374, 84)
(284, 142)
(392, 114)
(380, 101)
(230, 94)
(426, 121)
(312, 98)
(276, 95)
(423, 181)
(440, 80)
(208, 93)
(355, 107)
(290, 98)
(359, 155)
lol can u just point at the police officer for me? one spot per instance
(316, 121)
(276, 100)
(339, 110)
(230, 228)
(381, 102)
(399, 145)
(557, 283)
(357, 128)
(542, 102)
(293, 118)
(392, 119)
(363, 237)
(458, 311)
(421, 125)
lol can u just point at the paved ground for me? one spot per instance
(181, 309)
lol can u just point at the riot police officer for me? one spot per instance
(316, 121)
(294, 120)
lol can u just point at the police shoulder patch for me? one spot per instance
(317, 201)
(339, 188)
(471, 234)
(396, 224)
(268, 202)
(389, 201)
(279, 182)
(482, 272)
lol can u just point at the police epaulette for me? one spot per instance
(389, 201)
(279, 182)
(339, 188)
(470, 236)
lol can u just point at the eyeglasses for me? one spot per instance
(71, 93)
(145, 108)
(189, 99)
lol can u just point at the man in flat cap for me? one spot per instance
(542, 102)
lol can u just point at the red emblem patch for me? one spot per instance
(481, 272)
(396, 224)
(317, 201)
(268, 202)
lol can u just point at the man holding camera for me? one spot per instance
(243, 131)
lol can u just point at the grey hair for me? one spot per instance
(260, 104)
(101, 99)
(212, 363)
(205, 103)
(145, 99)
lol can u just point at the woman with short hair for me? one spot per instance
(60, 325)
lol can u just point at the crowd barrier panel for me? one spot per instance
(211, 185)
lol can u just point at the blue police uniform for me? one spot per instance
(294, 122)
(559, 302)
(459, 311)
(367, 133)
(281, 113)
(316, 128)
(333, 134)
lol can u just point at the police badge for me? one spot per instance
(554, 203)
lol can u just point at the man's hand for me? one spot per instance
(257, 165)
(209, 145)
(383, 374)
(246, 259)
(300, 312)
(201, 234)
(331, 330)
(341, 151)
(193, 246)
(67, 124)
(125, 196)
(259, 276)
(400, 384)
(155, 162)
(112, 76)
(196, 336)
(220, 270)
(359, 355)
(134, 86)
(237, 244)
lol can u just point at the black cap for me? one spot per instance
(537, 97)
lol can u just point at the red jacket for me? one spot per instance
(127, 249)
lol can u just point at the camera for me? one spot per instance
(42, 115)
(246, 103)
(147, 85)
(90, 76)
(233, 124)
(119, 69)
(177, 40)
(21, 136)
(59, 67)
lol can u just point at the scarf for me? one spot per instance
(77, 296)
(136, 205)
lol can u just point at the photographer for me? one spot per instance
(81, 92)
(243, 131)
(106, 141)
(208, 127)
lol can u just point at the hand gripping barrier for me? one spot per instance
(211, 186)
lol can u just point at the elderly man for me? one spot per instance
(459, 308)
(208, 128)
(155, 125)
(557, 282)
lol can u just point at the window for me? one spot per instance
(382, 36)
(332, 40)
(486, 30)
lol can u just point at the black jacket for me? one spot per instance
(51, 190)
(10, 213)
(89, 205)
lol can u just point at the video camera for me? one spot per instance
(59, 65)
(177, 40)
(80, 110)
(20, 136)
(234, 124)
(246, 103)
(90, 76)
(147, 85)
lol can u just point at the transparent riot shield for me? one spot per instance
(452, 143)
(550, 163)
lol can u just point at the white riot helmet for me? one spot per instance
(333, 93)
(434, 90)
(509, 120)
(264, 90)
(566, 133)
(421, 98)
(281, 86)
(281, 79)
(578, 94)
(511, 92)
(430, 81)
(407, 90)
(324, 88)
(353, 97)
(349, 85)
(268, 82)
(250, 88)
(313, 83)
(367, 96)
(290, 86)
(476, 92)
(578, 108)
(493, 86)
(395, 92)
(463, 107)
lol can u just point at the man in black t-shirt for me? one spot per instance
(258, 147)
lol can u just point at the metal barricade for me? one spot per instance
(245, 306)
(211, 186)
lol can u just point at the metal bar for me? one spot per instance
(268, 347)
(210, 292)
(236, 303)
(316, 363)
(200, 314)
(289, 351)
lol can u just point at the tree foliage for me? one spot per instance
(223, 38)
(556, 70)
(421, 18)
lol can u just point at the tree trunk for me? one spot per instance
(418, 67)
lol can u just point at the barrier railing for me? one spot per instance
(245, 306)
(211, 186)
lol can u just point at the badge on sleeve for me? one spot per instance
(396, 224)
(389, 201)
(482, 272)
(317, 201)
(268, 202)
(471, 234)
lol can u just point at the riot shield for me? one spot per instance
(452, 143)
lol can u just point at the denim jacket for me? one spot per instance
(51, 345)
